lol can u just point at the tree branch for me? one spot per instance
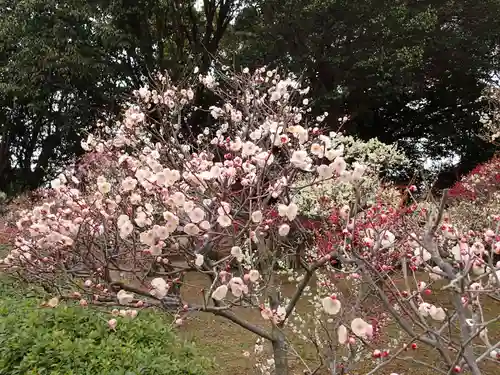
(303, 284)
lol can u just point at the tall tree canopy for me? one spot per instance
(406, 71)
(410, 71)
(65, 65)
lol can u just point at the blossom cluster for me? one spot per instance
(147, 204)
(383, 240)
(324, 195)
(148, 196)
(475, 198)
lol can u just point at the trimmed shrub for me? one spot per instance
(71, 340)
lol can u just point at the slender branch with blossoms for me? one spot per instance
(368, 240)
(147, 204)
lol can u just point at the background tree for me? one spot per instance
(405, 71)
(65, 66)
(56, 79)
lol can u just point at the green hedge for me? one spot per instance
(70, 340)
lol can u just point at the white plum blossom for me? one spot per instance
(317, 150)
(257, 216)
(124, 297)
(172, 221)
(324, 172)
(290, 211)
(263, 167)
(220, 293)
(188, 206)
(204, 225)
(147, 237)
(178, 199)
(361, 328)
(283, 230)
(236, 145)
(142, 219)
(421, 255)
(436, 273)
(388, 239)
(254, 275)
(196, 215)
(224, 209)
(437, 313)
(342, 334)
(237, 286)
(125, 226)
(135, 198)
(338, 165)
(331, 154)
(159, 287)
(56, 183)
(249, 149)
(192, 229)
(301, 160)
(237, 253)
(103, 185)
(358, 171)
(162, 232)
(424, 309)
(224, 221)
(264, 159)
(331, 305)
(299, 132)
(128, 184)
(199, 260)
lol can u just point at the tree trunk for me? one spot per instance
(280, 346)
(280, 352)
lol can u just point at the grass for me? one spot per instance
(72, 340)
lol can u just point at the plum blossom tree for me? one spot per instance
(382, 252)
(148, 205)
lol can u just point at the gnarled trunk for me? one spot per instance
(280, 348)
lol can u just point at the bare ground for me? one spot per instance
(226, 342)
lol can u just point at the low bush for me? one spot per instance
(70, 340)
